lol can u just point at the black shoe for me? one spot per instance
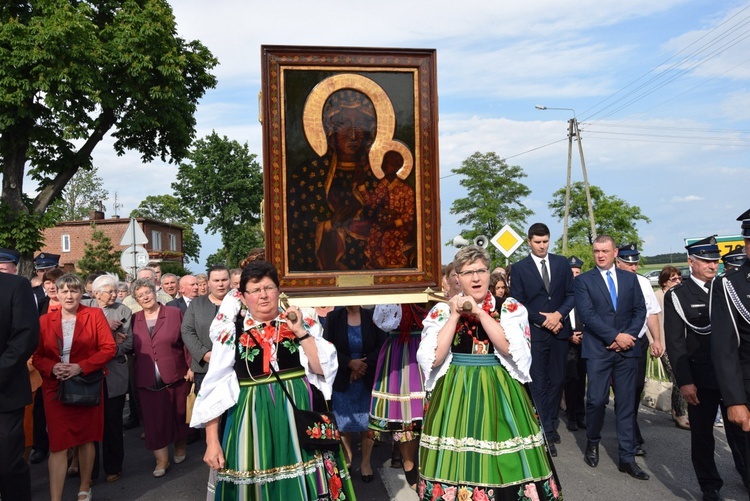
(712, 495)
(633, 470)
(572, 426)
(639, 450)
(130, 424)
(581, 423)
(552, 449)
(367, 478)
(37, 456)
(555, 438)
(412, 476)
(591, 456)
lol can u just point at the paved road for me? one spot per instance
(667, 461)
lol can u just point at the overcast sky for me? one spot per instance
(660, 89)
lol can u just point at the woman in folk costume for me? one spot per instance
(480, 436)
(397, 402)
(259, 457)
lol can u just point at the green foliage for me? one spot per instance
(223, 184)
(71, 72)
(174, 267)
(99, 254)
(495, 192)
(168, 208)
(675, 257)
(83, 193)
(613, 217)
(23, 230)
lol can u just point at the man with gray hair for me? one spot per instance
(169, 284)
(149, 274)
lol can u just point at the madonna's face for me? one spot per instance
(350, 130)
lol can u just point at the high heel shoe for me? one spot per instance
(412, 477)
(681, 421)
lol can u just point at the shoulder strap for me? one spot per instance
(681, 313)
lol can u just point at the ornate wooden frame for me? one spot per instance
(295, 84)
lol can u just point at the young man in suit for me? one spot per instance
(19, 337)
(730, 340)
(543, 283)
(610, 304)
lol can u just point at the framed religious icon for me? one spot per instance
(351, 168)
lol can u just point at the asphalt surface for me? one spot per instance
(667, 461)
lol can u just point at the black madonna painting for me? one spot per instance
(350, 163)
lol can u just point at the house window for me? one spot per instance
(66, 243)
(155, 240)
(172, 242)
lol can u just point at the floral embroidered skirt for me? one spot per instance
(398, 393)
(263, 458)
(481, 438)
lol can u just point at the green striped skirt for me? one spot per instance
(263, 458)
(481, 439)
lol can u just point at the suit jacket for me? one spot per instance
(93, 345)
(600, 320)
(730, 337)
(179, 303)
(19, 337)
(689, 351)
(337, 332)
(195, 328)
(527, 286)
(164, 348)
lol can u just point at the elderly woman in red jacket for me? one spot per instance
(74, 340)
(161, 375)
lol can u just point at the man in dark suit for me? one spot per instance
(730, 339)
(543, 283)
(19, 337)
(610, 304)
(188, 291)
(687, 329)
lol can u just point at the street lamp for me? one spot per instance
(573, 131)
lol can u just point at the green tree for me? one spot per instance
(83, 193)
(222, 183)
(169, 209)
(73, 71)
(495, 194)
(613, 217)
(99, 254)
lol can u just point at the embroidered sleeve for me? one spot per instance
(220, 389)
(387, 316)
(514, 320)
(326, 354)
(435, 320)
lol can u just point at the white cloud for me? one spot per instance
(687, 198)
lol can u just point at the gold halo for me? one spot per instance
(386, 120)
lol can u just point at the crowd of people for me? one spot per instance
(468, 388)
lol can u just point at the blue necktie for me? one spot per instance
(612, 289)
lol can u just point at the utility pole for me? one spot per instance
(574, 131)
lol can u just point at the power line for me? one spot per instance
(516, 155)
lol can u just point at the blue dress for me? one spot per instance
(352, 407)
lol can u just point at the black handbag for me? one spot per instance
(82, 390)
(315, 430)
